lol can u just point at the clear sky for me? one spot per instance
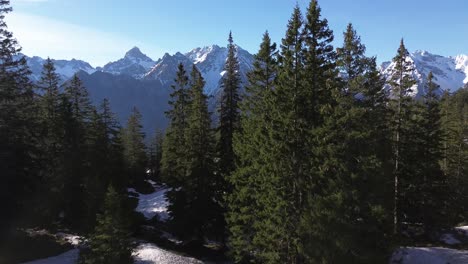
(99, 31)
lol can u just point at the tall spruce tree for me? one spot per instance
(174, 146)
(276, 239)
(229, 114)
(248, 181)
(77, 112)
(455, 150)
(354, 135)
(402, 107)
(17, 125)
(105, 163)
(52, 143)
(204, 212)
(134, 149)
(432, 183)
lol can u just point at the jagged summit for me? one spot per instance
(135, 52)
(450, 73)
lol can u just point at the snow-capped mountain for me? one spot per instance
(166, 68)
(64, 68)
(450, 73)
(210, 61)
(134, 63)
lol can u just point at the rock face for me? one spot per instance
(134, 63)
(451, 73)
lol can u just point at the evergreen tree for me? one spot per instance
(243, 217)
(403, 110)
(134, 149)
(51, 144)
(203, 211)
(17, 125)
(229, 113)
(110, 242)
(104, 155)
(455, 151)
(431, 183)
(174, 145)
(77, 113)
(276, 238)
(354, 135)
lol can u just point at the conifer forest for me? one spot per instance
(316, 155)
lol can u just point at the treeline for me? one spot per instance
(322, 159)
(65, 164)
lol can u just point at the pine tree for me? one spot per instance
(51, 144)
(104, 157)
(455, 151)
(174, 146)
(110, 242)
(17, 124)
(134, 149)
(354, 134)
(276, 238)
(432, 183)
(402, 106)
(76, 110)
(243, 214)
(229, 113)
(203, 211)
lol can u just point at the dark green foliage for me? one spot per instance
(356, 150)
(174, 145)
(402, 124)
(195, 214)
(134, 149)
(248, 180)
(229, 114)
(110, 242)
(76, 111)
(17, 125)
(432, 185)
(455, 150)
(51, 144)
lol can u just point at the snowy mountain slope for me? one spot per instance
(210, 61)
(65, 68)
(134, 64)
(166, 68)
(451, 73)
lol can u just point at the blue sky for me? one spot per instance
(99, 31)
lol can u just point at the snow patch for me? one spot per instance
(149, 253)
(449, 239)
(435, 255)
(69, 257)
(153, 204)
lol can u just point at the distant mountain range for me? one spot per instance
(136, 80)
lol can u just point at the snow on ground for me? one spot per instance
(434, 255)
(72, 239)
(154, 203)
(150, 254)
(69, 257)
(449, 239)
(145, 253)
